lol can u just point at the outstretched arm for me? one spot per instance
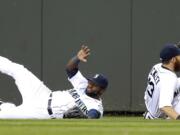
(72, 66)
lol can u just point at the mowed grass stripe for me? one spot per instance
(105, 126)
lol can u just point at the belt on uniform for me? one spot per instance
(49, 109)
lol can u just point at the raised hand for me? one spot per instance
(83, 53)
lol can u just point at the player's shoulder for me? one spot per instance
(160, 69)
(157, 66)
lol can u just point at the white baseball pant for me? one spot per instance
(34, 93)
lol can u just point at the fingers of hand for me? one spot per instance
(85, 49)
(84, 53)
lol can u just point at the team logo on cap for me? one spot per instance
(96, 76)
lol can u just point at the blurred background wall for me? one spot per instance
(124, 36)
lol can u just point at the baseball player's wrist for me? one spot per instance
(75, 60)
(178, 117)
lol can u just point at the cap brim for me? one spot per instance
(96, 83)
(92, 80)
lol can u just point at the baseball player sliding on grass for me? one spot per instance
(162, 95)
(39, 102)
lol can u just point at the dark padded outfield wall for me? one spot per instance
(125, 37)
(20, 40)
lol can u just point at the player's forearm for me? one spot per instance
(169, 111)
(73, 63)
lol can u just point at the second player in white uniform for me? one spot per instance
(162, 98)
(39, 102)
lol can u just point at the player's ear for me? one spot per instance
(173, 59)
(177, 59)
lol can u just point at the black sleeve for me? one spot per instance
(72, 66)
(71, 73)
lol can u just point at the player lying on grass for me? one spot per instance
(39, 102)
(162, 95)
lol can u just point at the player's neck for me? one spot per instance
(92, 95)
(168, 67)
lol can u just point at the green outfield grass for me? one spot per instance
(105, 126)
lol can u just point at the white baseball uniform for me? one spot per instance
(39, 102)
(162, 90)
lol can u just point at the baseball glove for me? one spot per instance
(74, 113)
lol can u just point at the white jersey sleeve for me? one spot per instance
(178, 83)
(78, 81)
(167, 86)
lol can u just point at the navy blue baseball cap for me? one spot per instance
(99, 80)
(169, 51)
